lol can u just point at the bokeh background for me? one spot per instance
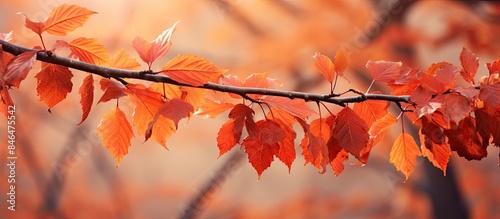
(63, 172)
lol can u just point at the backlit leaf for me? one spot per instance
(66, 18)
(494, 67)
(192, 70)
(146, 104)
(151, 51)
(295, 107)
(440, 77)
(116, 133)
(338, 162)
(324, 65)
(230, 133)
(470, 64)
(212, 108)
(371, 110)
(18, 68)
(35, 26)
(86, 92)
(174, 109)
(404, 153)
(286, 151)
(53, 83)
(123, 60)
(90, 50)
(340, 62)
(466, 141)
(490, 94)
(438, 154)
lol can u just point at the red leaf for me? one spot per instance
(175, 110)
(151, 51)
(351, 131)
(90, 50)
(231, 131)
(438, 154)
(404, 153)
(261, 149)
(37, 27)
(488, 124)
(314, 144)
(455, 106)
(18, 68)
(112, 90)
(66, 18)
(466, 141)
(192, 70)
(324, 65)
(494, 67)
(53, 83)
(371, 110)
(5, 101)
(338, 162)
(440, 77)
(295, 107)
(286, 151)
(489, 93)
(384, 71)
(87, 96)
(470, 64)
(116, 133)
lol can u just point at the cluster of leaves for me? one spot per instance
(465, 119)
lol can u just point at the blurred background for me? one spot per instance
(63, 172)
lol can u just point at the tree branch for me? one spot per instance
(119, 74)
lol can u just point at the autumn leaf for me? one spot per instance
(66, 18)
(286, 151)
(466, 141)
(5, 101)
(212, 109)
(116, 133)
(455, 106)
(385, 71)
(295, 107)
(404, 153)
(35, 26)
(440, 77)
(9, 37)
(151, 51)
(324, 65)
(340, 62)
(18, 68)
(314, 144)
(470, 64)
(90, 50)
(230, 132)
(438, 154)
(489, 93)
(146, 104)
(488, 124)
(351, 131)
(192, 70)
(53, 83)
(86, 92)
(338, 162)
(371, 110)
(112, 90)
(122, 60)
(494, 67)
(262, 148)
(174, 110)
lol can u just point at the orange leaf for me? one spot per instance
(116, 133)
(9, 37)
(440, 77)
(351, 132)
(438, 154)
(260, 80)
(212, 109)
(146, 104)
(18, 68)
(53, 83)
(381, 125)
(404, 153)
(90, 50)
(324, 65)
(488, 124)
(338, 162)
(123, 60)
(295, 107)
(470, 64)
(174, 110)
(37, 27)
(466, 141)
(385, 71)
(150, 51)
(192, 70)
(261, 149)
(5, 101)
(340, 62)
(456, 106)
(87, 93)
(66, 18)
(112, 90)
(314, 144)
(371, 110)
